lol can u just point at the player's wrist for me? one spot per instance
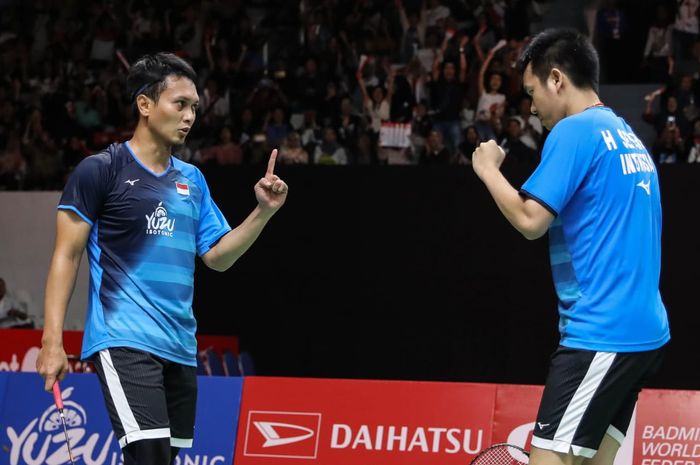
(264, 212)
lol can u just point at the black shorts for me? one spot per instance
(589, 394)
(147, 397)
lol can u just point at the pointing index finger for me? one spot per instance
(271, 164)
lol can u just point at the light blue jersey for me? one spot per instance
(599, 181)
(146, 230)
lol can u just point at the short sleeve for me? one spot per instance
(566, 159)
(86, 188)
(212, 224)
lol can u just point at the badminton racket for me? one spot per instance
(58, 399)
(501, 454)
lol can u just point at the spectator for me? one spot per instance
(348, 125)
(436, 14)
(311, 86)
(413, 25)
(45, 165)
(690, 66)
(514, 147)
(611, 39)
(366, 153)
(490, 98)
(669, 114)
(225, 152)
(685, 28)
(11, 313)
(277, 129)
(377, 105)
(471, 142)
(13, 166)
(330, 106)
(446, 94)
(658, 48)
(265, 97)
(531, 124)
(435, 151)
(421, 125)
(330, 152)
(90, 109)
(403, 99)
(669, 146)
(291, 152)
(247, 126)
(694, 144)
(215, 105)
(685, 95)
(311, 133)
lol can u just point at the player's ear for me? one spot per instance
(144, 105)
(556, 77)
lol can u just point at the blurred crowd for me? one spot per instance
(329, 82)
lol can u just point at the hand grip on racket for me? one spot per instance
(58, 399)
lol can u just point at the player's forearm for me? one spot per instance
(234, 244)
(59, 287)
(511, 204)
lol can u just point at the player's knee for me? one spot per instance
(148, 451)
(547, 457)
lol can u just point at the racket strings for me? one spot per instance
(500, 455)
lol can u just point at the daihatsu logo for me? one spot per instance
(272, 436)
(282, 434)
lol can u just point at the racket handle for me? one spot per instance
(57, 395)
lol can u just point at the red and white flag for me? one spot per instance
(182, 188)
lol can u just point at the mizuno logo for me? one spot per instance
(542, 425)
(272, 437)
(129, 181)
(646, 186)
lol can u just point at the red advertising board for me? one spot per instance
(514, 417)
(20, 347)
(668, 428)
(346, 422)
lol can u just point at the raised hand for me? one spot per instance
(487, 156)
(271, 191)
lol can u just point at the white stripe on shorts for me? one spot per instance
(114, 385)
(616, 434)
(582, 398)
(562, 447)
(181, 443)
(144, 434)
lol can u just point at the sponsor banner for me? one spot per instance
(344, 422)
(31, 431)
(20, 347)
(668, 428)
(216, 425)
(515, 414)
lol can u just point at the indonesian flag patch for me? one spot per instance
(182, 188)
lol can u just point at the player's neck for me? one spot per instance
(151, 152)
(582, 100)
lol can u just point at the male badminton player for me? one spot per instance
(597, 193)
(143, 216)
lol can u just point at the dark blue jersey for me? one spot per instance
(146, 230)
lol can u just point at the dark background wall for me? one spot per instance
(413, 273)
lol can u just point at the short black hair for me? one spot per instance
(147, 76)
(566, 49)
